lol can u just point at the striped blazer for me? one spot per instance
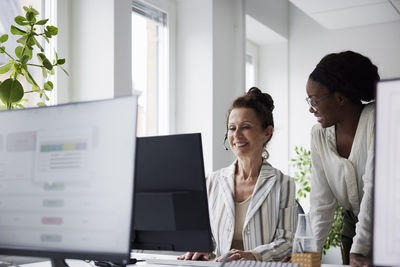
(271, 218)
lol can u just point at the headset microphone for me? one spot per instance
(226, 137)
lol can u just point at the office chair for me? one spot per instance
(299, 208)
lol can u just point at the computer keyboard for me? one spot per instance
(184, 262)
(218, 264)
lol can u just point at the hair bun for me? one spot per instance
(264, 98)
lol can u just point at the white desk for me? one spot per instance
(79, 263)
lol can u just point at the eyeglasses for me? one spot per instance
(313, 103)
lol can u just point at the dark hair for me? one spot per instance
(349, 73)
(261, 103)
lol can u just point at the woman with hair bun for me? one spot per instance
(252, 205)
(342, 149)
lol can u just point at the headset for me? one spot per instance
(226, 137)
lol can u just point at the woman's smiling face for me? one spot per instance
(325, 110)
(245, 134)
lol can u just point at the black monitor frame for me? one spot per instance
(171, 208)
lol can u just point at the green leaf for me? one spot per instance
(34, 11)
(24, 59)
(17, 31)
(29, 78)
(22, 40)
(20, 20)
(40, 104)
(2, 49)
(42, 22)
(61, 61)
(5, 68)
(27, 52)
(47, 33)
(48, 86)
(30, 43)
(30, 16)
(35, 88)
(44, 72)
(41, 57)
(65, 71)
(37, 44)
(52, 30)
(11, 91)
(47, 64)
(47, 39)
(17, 68)
(3, 38)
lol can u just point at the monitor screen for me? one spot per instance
(386, 235)
(66, 180)
(171, 210)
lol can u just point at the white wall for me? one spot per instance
(228, 70)
(273, 79)
(194, 71)
(96, 35)
(209, 71)
(273, 17)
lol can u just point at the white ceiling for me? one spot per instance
(339, 14)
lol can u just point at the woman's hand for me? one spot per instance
(194, 256)
(286, 259)
(358, 260)
(235, 255)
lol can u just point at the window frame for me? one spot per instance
(167, 109)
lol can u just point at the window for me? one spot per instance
(250, 71)
(9, 9)
(150, 67)
(251, 65)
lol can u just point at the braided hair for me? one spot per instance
(349, 73)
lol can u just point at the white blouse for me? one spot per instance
(346, 181)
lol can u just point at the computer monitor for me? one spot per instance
(386, 234)
(66, 180)
(171, 210)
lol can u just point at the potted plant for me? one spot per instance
(302, 176)
(31, 32)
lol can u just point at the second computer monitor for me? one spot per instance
(171, 210)
(66, 180)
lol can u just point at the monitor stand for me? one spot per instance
(63, 263)
(58, 263)
(112, 264)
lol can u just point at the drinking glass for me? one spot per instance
(304, 240)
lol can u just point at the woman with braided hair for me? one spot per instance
(252, 205)
(340, 92)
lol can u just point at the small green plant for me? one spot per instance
(302, 177)
(11, 89)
